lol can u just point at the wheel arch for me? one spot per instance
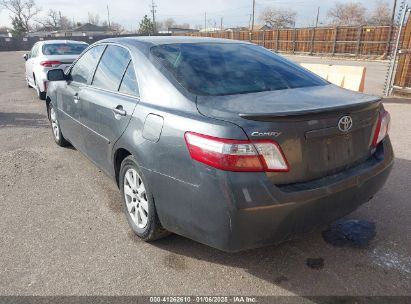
(48, 101)
(119, 156)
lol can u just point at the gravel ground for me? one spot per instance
(62, 230)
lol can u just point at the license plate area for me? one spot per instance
(327, 154)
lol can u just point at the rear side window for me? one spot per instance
(34, 51)
(230, 68)
(111, 68)
(129, 83)
(64, 48)
(84, 68)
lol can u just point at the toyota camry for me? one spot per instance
(220, 141)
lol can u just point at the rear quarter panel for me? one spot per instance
(183, 189)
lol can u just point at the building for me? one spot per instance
(42, 33)
(87, 29)
(5, 33)
(177, 30)
(237, 29)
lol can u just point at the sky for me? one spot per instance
(234, 12)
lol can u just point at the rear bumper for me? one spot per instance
(41, 79)
(234, 211)
(301, 207)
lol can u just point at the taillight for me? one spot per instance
(236, 155)
(50, 64)
(383, 127)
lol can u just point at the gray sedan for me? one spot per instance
(221, 141)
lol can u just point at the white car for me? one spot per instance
(47, 55)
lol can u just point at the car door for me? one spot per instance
(108, 104)
(30, 63)
(69, 102)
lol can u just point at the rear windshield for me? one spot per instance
(64, 48)
(231, 68)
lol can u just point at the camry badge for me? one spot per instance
(274, 133)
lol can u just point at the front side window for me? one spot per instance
(230, 68)
(84, 68)
(129, 82)
(64, 48)
(111, 68)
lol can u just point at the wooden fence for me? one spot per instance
(402, 80)
(355, 41)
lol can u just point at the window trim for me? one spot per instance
(121, 79)
(106, 44)
(124, 74)
(81, 56)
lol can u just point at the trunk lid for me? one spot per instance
(305, 123)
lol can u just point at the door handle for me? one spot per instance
(120, 111)
(76, 98)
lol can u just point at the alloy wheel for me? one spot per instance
(54, 124)
(136, 198)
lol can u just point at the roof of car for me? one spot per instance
(159, 40)
(61, 41)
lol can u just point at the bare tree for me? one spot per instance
(347, 13)
(184, 25)
(51, 20)
(22, 11)
(159, 25)
(54, 20)
(93, 18)
(278, 18)
(169, 22)
(381, 14)
(65, 23)
(115, 27)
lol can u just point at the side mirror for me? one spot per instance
(26, 57)
(56, 75)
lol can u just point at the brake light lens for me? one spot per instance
(236, 155)
(50, 64)
(383, 127)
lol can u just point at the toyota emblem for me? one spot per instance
(345, 124)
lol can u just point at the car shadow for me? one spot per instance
(25, 120)
(346, 271)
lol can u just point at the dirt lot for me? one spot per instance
(62, 230)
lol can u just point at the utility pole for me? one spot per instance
(221, 23)
(108, 17)
(388, 46)
(252, 22)
(205, 22)
(153, 11)
(318, 15)
(313, 32)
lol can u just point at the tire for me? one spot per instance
(41, 95)
(55, 128)
(138, 202)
